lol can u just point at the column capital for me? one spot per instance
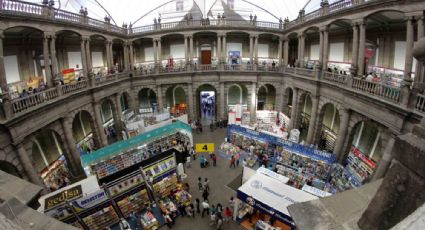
(156, 39)
(359, 22)
(324, 29)
(253, 35)
(409, 18)
(47, 35)
(188, 35)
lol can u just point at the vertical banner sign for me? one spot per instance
(238, 110)
(204, 147)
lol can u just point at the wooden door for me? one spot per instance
(206, 57)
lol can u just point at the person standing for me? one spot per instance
(205, 194)
(219, 222)
(206, 184)
(232, 162)
(200, 184)
(205, 208)
(214, 159)
(197, 203)
(228, 214)
(193, 153)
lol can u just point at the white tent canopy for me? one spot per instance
(262, 190)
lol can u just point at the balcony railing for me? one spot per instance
(377, 89)
(32, 100)
(16, 7)
(420, 103)
(335, 78)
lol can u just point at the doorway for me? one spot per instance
(206, 57)
(207, 106)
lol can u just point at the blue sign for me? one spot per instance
(289, 145)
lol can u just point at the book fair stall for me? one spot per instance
(263, 200)
(301, 164)
(124, 179)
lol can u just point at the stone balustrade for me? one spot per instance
(373, 89)
(15, 7)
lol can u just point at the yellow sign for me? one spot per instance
(204, 147)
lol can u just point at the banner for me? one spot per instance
(89, 200)
(289, 145)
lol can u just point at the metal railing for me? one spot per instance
(32, 100)
(18, 7)
(377, 89)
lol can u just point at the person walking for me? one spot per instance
(228, 214)
(205, 208)
(200, 184)
(232, 162)
(219, 222)
(205, 194)
(219, 208)
(206, 184)
(197, 203)
(214, 159)
(193, 153)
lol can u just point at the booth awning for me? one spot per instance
(271, 196)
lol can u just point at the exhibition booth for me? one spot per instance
(138, 176)
(264, 199)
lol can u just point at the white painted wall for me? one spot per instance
(12, 69)
(97, 59)
(336, 52)
(74, 60)
(232, 46)
(399, 54)
(176, 51)
(263, 50)
(149, 54)
(314, 52)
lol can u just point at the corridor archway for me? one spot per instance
(9, 168)
(83, 131)
(328, 127)
(176, 100)
(206, 103)
(108, 122)
(147, 101)
(266, 97)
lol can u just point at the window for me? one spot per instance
(179, 5)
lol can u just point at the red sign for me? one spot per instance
(364, 158)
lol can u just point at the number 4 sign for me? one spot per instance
(204, 147)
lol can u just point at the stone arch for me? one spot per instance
(381, 11)
(23, 25)
(10, 168)
(207, 109)
(266, 96)
(103, 106)
(240, 97)
(86, 113)
(126, 101)
(67, 30)
(310, 28)
(288, 95)
(146, 97)
(176, 94)
(98, 35)
(304, 106)
(327, 128)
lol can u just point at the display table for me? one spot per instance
(184, 197)
(148, 221)
(261, 225)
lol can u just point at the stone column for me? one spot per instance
(325, 49)
(108, 56)
(224, 50)
(279, 51)
(159, 95)
(219, 48)
(191, 104)
(88, 53)
(186, 55)
(355, 50)
(251, 49)
(131, 50)
(294, 109)
(321, 48)
(155, 52)
(27, 165)
(46, 57)
(387, 156)
(279, 98)
(362, 43)
(253, 107)
(191, 48)
(222, 103)
(256, 49)
(419, 75)
(54, 59)
(301, 40)
(159, 52)
(312, 124)
(126, 56)
(3, 80)
(118, 116)
(99, 124)
(342, 133)
(285, 52)
(111, 54)
(72, 148)
(83, 57)
(409, 50)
